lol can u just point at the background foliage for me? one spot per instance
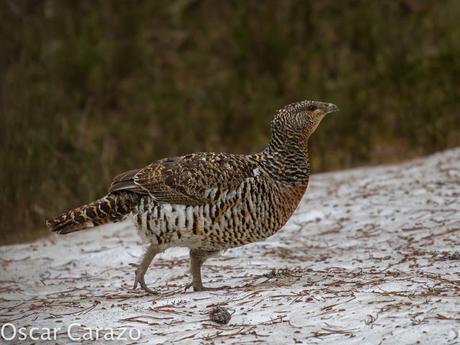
(92, 88)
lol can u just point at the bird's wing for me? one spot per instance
(124, 181)
(190, 180)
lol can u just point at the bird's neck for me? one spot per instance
(287, 160)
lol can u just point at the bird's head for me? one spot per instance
(299, 120)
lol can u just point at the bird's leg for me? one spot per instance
(152, 250)
(197, 258)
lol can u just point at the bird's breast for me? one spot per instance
(252, 212)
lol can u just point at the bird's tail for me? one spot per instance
(111, 208)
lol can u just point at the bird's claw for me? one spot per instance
(140, 280)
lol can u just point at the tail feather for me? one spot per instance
(111, 208)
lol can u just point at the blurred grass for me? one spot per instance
(92, 88)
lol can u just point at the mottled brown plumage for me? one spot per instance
(210, 201)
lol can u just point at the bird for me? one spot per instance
(209, 202)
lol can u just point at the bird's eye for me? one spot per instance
(311, 107)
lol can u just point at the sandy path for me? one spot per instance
(371, 256)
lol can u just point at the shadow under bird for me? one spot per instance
(210, 202)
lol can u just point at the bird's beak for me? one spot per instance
(332, 108)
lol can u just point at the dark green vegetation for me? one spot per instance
(92, 88)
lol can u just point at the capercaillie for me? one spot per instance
(209, 202)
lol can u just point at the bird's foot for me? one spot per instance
(140, 280)
(205, 288)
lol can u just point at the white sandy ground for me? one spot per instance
(372, 256)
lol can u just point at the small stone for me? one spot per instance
(220, 315)
(453, 334)
(369, 319)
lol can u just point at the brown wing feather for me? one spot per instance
(185, 180)
(125, 181)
